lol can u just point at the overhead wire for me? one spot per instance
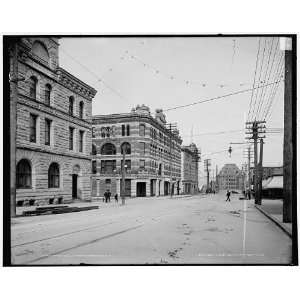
(257, 56)
(217, 98)
(261, 100)
(261, 66)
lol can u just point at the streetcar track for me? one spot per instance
(85, 243)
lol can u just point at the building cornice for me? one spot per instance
(132, 117)
(73, 83)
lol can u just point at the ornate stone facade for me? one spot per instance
(189, 169)
(150, 165)
(231, 178)
(43, 127)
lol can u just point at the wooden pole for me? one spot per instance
(255, 171)
(249, 174)
(289, 107)
(260, 172)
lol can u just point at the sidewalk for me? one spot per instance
(100, 203)
(272, 208)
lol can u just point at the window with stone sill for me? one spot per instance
(23, 174)
(48, 90)
(32, 83)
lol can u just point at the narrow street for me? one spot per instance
(202, 229)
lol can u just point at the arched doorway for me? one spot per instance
(75, 174)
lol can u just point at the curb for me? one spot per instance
(284, 228)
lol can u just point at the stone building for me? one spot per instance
(189, 169)
(152, 161)
(231, 178)
(53, 136)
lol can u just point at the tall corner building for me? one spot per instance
(53, 137)
(152, 154)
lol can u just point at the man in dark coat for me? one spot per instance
(228, 196)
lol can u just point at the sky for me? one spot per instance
(165, 72)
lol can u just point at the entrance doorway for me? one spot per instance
(74, 186)
(166, 188)
(141, 189)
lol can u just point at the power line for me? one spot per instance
(95, 75)
(275, 51)
(218, 97)
(257, 55)
(276, 78)
(272, 96)
(264, 80)
(262, 62)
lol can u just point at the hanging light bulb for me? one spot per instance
(229, 151)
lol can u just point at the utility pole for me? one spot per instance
(260, 171)
(289, 108)
(255, 129)
(249, 174)
(171, 127)
(217, 185)
(207, 163)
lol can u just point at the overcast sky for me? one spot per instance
(167, 72)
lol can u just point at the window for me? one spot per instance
(143, 148)
(108, 149)
(123, 130)
(108, 166)
(142, 130)
(32, 136)
(81, 109)
(128, 130)
(47, 131)
(53, 176)
(94, 149)
(107, 181)
(71, 105)
(127, 164)
(47, 94)
(32, 87)
(71, 135)
(142, 164)
(127, 148)
(81, 134)
(23, 174)
(94, 166)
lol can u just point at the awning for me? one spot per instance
(275, 182)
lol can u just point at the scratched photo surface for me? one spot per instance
(152, 150)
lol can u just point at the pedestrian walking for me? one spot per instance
(108, 195)
(116, 197)
(228, 196)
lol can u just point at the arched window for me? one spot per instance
(127, 148)
(32, 83)
(23, 174)
(47, 94)
(142, 129)
(81, 105)
(108, 149)
(94, 149)
(40, 50)
(71, 105)
(53, 176)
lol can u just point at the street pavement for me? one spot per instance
(201, 229)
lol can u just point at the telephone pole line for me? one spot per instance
(289, 163)
(207, 163)
(255, 130)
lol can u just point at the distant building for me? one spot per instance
(153, 154)
(53, 143)
(231, 178)
(189, 169)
